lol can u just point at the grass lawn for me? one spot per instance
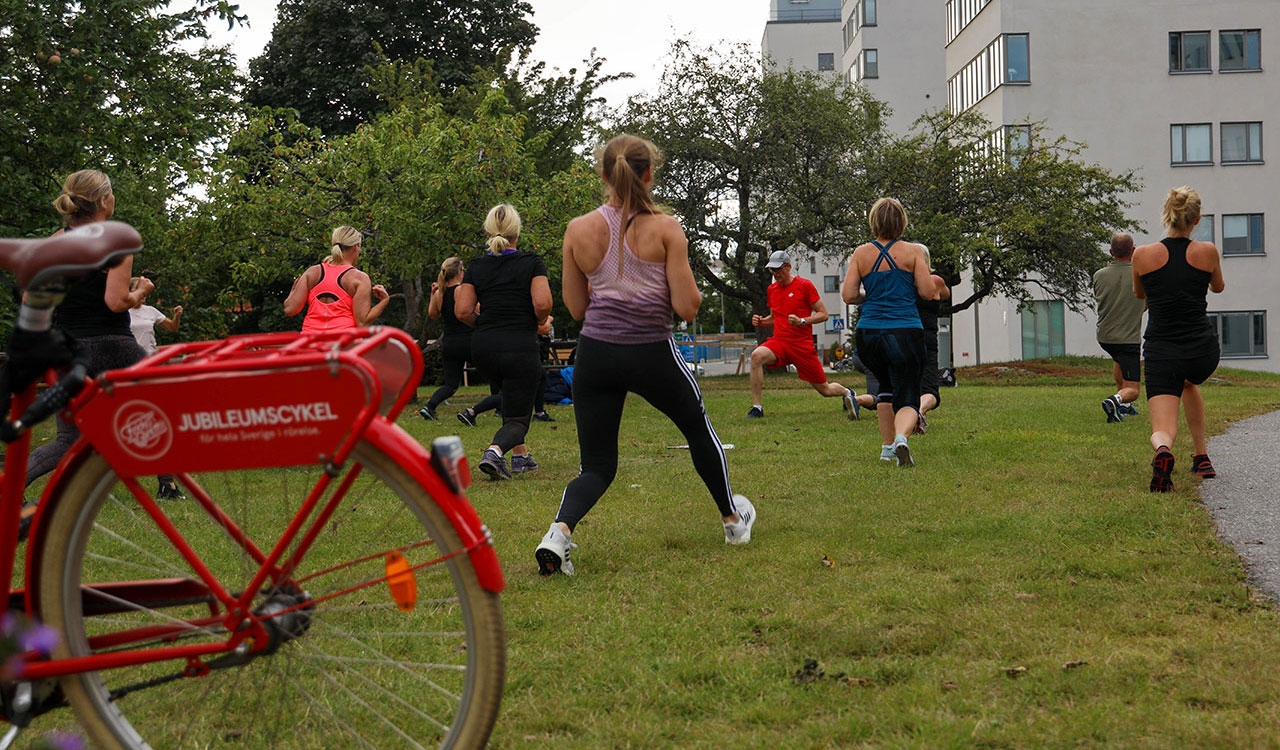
(1019, 588)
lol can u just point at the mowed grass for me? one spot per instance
(1019, 588)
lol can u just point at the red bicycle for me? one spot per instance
(327, 584)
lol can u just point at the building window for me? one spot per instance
(826, 61)
(1017, 57)
(1043, 330)
(1242, 234)
(830, 284)
(868, 12)
(1240, 50)
(1241, 334)
(1204, 231)
(870, 63)
(1241, 142)
(1189, 52)
(1191, 144)
(960, 13)
(813, 265)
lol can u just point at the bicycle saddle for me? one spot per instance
(72, 253)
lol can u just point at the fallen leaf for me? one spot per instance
(1024, 596)
(861, 682)
(1074, 664)
(828, 562)
(949, 685)
(1013, 672)
(1254, 541)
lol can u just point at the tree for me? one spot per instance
(114, 86)
(1021, 214)
(322, 52)
(757, 162)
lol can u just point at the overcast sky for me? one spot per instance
(632, 36)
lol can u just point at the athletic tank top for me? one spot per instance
(634, 308)
(453, 328)
(891, 295)
(333, 315)
(84, 312)
(1177, 325)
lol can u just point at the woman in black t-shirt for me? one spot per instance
(455, 340)
(510, 288)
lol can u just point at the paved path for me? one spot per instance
(1245, 497)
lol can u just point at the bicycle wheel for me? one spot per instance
(357, 672)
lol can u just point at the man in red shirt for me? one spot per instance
(794, 307)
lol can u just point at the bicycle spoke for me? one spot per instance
(397, 699)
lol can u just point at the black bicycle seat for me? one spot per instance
(72, 253)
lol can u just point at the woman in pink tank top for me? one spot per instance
(626, 273)
(337, 294)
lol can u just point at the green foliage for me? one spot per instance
(322, 52)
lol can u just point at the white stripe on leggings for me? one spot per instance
(693, 383)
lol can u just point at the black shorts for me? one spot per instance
(929, 379)
(1129, 357)
(896, 356)
(1166, 377)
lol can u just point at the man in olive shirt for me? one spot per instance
(1120, 326)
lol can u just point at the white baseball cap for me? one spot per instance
(779, 259)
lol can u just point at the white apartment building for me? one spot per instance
(1177, 91)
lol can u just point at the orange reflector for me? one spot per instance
(401, 582)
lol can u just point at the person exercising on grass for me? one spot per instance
(794, 308)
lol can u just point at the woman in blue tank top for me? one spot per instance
(885, 276)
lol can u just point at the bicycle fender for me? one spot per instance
(414, 459)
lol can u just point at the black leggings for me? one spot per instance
(897, 357)
(604, 375)
(105, 353)
(455, 352)
(515, 374)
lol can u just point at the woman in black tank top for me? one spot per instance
(455, 339)
(1180, 346)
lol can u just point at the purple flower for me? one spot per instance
(40, 638)
(64, 741)
(8, 623)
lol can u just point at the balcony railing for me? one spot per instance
(805, 16)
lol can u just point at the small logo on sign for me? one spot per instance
(143, 430)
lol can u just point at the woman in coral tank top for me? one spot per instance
(337, 294)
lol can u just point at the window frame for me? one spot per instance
(1208, 48)
(865, 64)
(831, 64)
(1216, 317)
(830, 284)
(869, 12)
(1197, 232)
(1245, 48)
(1261, 239)
(1004, 72)
(1249, 158)
(1055, 310)
(1184, 162)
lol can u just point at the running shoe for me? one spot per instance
(1162, 471)
(922, 425)
(1127, 410)
(428, 414)
(851, 408)
(553, 553)
(1202, 467)
(903, 454)
(522, 464)
(886, 453)
(493, 464)
(739, 531)
(170, 491)
(1112, 410)
(755, 413)
(542, 416)
(467, 417)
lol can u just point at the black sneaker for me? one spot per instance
(428, 414)
(1162, 471)
(755, 413)
(467, 417)
(1202, 467)
(494, 465)
(1112, 410)
(542, 416)
(170, 491)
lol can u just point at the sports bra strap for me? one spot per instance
(884, 255)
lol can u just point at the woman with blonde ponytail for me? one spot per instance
(337, 294)
(505, 296)
(626, 273)
(455, 343)
(1180, 346)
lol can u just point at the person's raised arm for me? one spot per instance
(540, 291)
(437, 300)
(818, 315)
(924, 280)
(171, 324)
(573, 282)
(464, 303)
(685, 297)
(1216, 281)
(297, 298)
(939, 283)
(117, 295)
(851, 289)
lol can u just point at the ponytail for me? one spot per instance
(623, 165)
(344, 238)
(450, 268)
(503, 227)
(82, 194)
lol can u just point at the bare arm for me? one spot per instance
(762, 321)
(380, 294)
(573, 282)
(851, 289)
(1216, 281)
(297, 298)
(464, 304)
(171, 324)
(944, 291)
(818, 315)
(685, 297)
(924, 280)
(437, 300)
(540, 291)
(117, 296)
(1138, 291)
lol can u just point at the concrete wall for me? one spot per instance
(908, 39)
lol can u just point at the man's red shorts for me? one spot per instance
(802, 355)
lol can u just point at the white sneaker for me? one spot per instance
(739, 532)
(886, 453)
(553, 553)
(903, 454)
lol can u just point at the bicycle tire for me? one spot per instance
(76, 534)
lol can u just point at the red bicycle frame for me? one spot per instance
(248, 402)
